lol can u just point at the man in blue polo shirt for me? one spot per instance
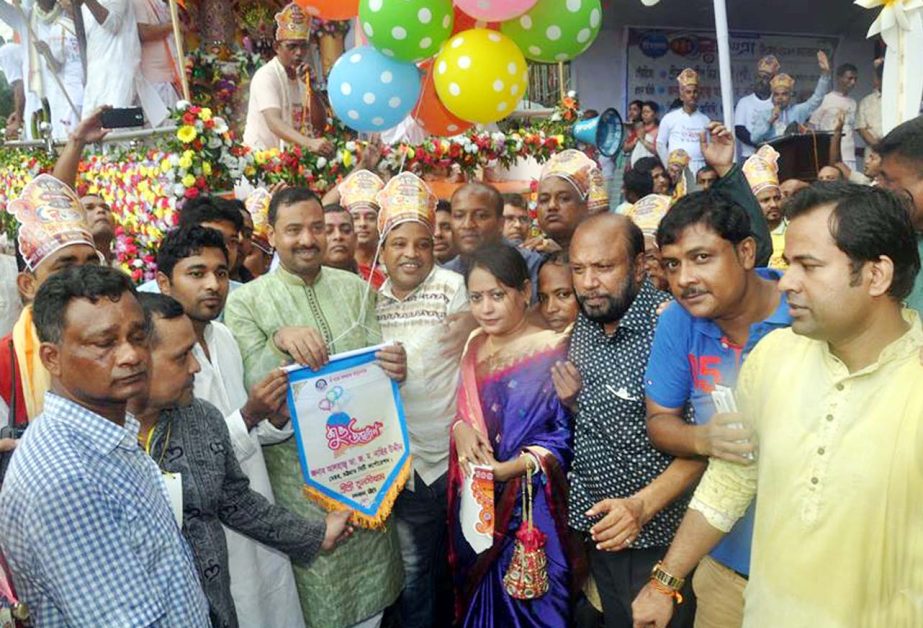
(724, 306)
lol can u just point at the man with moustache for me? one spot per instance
(415, 305)
(724, 306)
(85, 521)
(341, 239)
(841, 385)
(477, 219)
(189, 440)
(625, 495)
(192, 267)
(275, 113)
(53, 235)
(304, 312)
(571, 188)
(758, 100)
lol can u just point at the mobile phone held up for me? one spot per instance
(122, 118)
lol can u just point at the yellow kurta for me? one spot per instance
(838, 538)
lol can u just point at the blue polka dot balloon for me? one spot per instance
(371, 92)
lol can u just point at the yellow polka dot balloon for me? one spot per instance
(480, 75)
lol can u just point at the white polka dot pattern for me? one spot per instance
(613, 456)
(408, 30)
(553, 30)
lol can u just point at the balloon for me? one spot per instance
(371, 92)
(464, 22)
(480, 75)
(431, 114)
(494, 10)
(550, 32)
(330, 9)
(409, 30)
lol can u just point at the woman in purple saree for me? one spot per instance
(509, 418)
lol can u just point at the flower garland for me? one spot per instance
(145, 186)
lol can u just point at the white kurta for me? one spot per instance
(61, 38)
(114, 64)
(679, 129)
(262, 582)
(744, 113)
(16, 19)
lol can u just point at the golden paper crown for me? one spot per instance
(360, 189)
(292, 23)
(678, 157)
(770, 64)
(51, 217)
(783, 81)
(762, 169)
(257, 204)
(582, 172)
(406, 198)
(649, 211)
(687, 77)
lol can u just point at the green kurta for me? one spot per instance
(365, 574)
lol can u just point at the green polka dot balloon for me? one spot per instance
(408, 30)
(555, 30)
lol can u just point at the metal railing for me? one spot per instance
(50, 144)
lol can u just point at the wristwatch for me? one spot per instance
(659, 574)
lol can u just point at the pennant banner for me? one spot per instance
(352, 435)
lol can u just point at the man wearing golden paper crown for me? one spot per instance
(53, 235)
(775, 122)
(681, 127)
(647, 214)
(359, 195)
(759, 99)
(762, 172)
(305, 312)
(571, 188)
(279, 106)
(414, 307)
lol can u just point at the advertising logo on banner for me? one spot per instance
(657, 56)
(352, 435)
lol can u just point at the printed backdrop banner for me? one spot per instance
(352, 435)
(656, 56)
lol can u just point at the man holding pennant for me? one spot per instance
(303, 312)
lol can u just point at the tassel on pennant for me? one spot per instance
(373, 522)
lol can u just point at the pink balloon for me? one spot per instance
(495, 10)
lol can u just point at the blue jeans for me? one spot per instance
(422, 527)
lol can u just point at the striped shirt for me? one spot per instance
(87, 528)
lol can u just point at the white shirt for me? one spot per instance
(824, 118)
(679, 129)
(10, 303)
(17, 20)
(114, 64)
(262, 582)
(429, 391)
(268, 91)
(869, 114)
(11, 62)
(61, 37)
(743, 116)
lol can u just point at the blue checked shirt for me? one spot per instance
(87, 528)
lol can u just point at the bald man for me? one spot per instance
(626, 496)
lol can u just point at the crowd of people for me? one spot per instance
(126, 57)
(695, 401)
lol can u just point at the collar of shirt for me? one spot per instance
(294, 280)
(101, 433)
(779, 317)
(387, 293)
(909, 343)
